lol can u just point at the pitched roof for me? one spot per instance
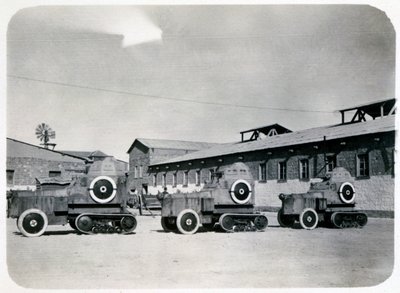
(269, 127)
(16, 148)
(81, 154)
(332, 132)
(173, 144)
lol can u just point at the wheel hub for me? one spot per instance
(33, 223)
(189, 222)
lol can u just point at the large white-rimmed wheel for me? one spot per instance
(103, 189)
(188, 221)
(347, 192)
(309, 219)
(32, 223)
(240, 191)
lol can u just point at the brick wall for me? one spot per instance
(27, 169)
(375, 192)
(140, 155)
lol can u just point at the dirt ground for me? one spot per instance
(151, 258)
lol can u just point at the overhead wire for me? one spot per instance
(163, 97)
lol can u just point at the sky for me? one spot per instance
(103, 76)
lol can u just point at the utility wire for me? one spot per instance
(161, 97)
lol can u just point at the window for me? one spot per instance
(211, 175)
(135, 174)
(262, 172)
(304, 169)
(10, 177)
(140, 171)
(197, 177)
(186, 178)
(54, 173)
(362, 165)
(164, 179)
(282, 171)
(174, 179)
(155, 180)
(330, 163)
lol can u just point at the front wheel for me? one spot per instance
(309, 219)
(32, 223)
(188, 222)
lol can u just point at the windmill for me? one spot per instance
(44, 133)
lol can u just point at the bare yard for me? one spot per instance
(151, 258)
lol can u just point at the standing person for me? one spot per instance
(138, 200)
(161, 196)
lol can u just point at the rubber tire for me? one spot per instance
(26, 213)
(179, 224)
(306, 225)
(168, 227)
(285, 220)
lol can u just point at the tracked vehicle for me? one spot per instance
(330, 202)
(95, 202)
(227, 202)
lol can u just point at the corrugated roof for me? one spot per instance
(173, 144)
(294, 138)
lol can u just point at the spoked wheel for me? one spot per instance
(168, 224)
(32, 223)
(261, 222)
(226, 222)
(84, 224)
(285, 220)
(309, 219)
(128, 224)
(188, 221)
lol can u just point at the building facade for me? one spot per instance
(144, 152)
(289, 162)
(26, 162)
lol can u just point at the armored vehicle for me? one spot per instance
(331, 202)
(95, 202)
(228, 201)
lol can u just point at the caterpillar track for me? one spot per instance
(349, 219)
(89, 223)
(243, 222)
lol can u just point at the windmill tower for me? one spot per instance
(44, 133)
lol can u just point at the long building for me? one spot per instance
(288, 162)
(144, 152)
